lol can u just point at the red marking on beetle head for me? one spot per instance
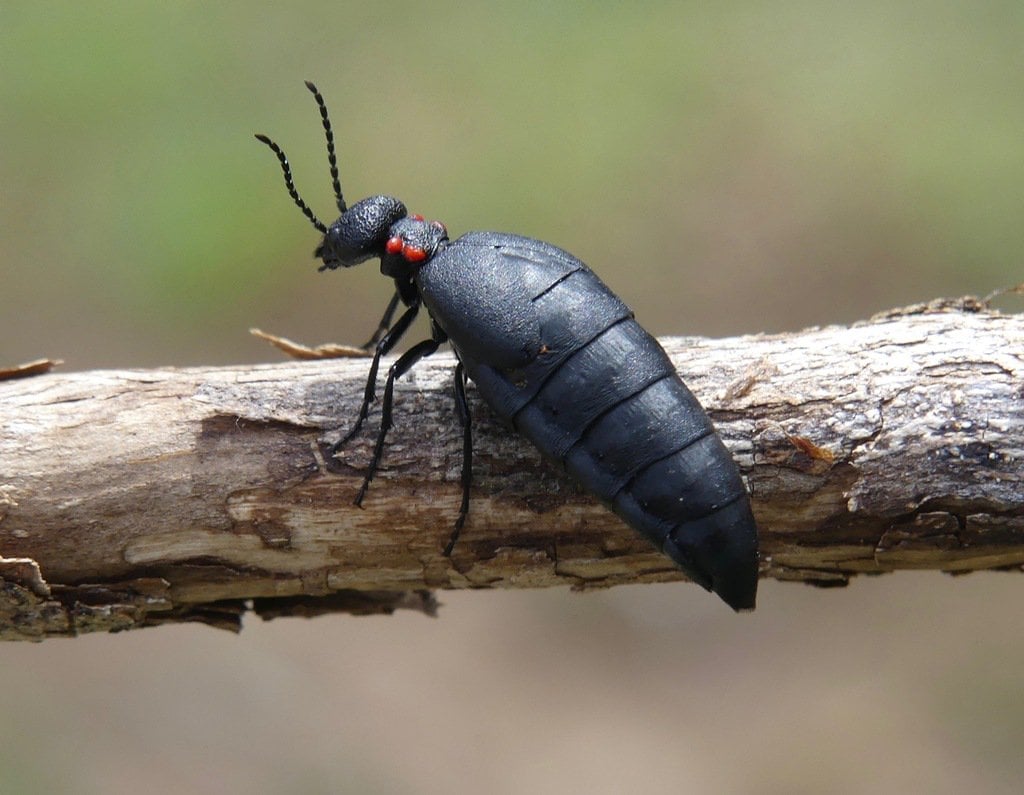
(394, 245)
(414, 254)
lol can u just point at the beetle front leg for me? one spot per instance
(385, 323)
(386, 343)
(398, 369)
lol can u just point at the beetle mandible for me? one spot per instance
(558, 356)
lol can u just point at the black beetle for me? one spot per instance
(557, 355)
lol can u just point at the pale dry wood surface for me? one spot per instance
(133, 498)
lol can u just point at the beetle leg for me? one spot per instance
(385, 323)
(386, 343)
(462, 410)
(398, 369)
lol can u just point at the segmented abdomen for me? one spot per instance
(615, 414)
(599, 395)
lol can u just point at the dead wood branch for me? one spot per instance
(131, 498)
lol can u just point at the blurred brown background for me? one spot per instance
(726, 168)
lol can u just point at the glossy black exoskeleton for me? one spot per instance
(557, 355)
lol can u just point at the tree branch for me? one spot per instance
(133, 498)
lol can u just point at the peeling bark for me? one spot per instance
(133, 498)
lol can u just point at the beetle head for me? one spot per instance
(363, 230)
(360, 233)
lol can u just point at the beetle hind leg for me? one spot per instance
(462, 409)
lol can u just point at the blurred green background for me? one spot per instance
(727, 168)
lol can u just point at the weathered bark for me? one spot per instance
(131, 498)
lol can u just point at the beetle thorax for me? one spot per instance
(412, 242)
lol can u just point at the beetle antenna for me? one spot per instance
(331, 157)
(287, 169)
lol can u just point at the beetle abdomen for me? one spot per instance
(568, 366)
